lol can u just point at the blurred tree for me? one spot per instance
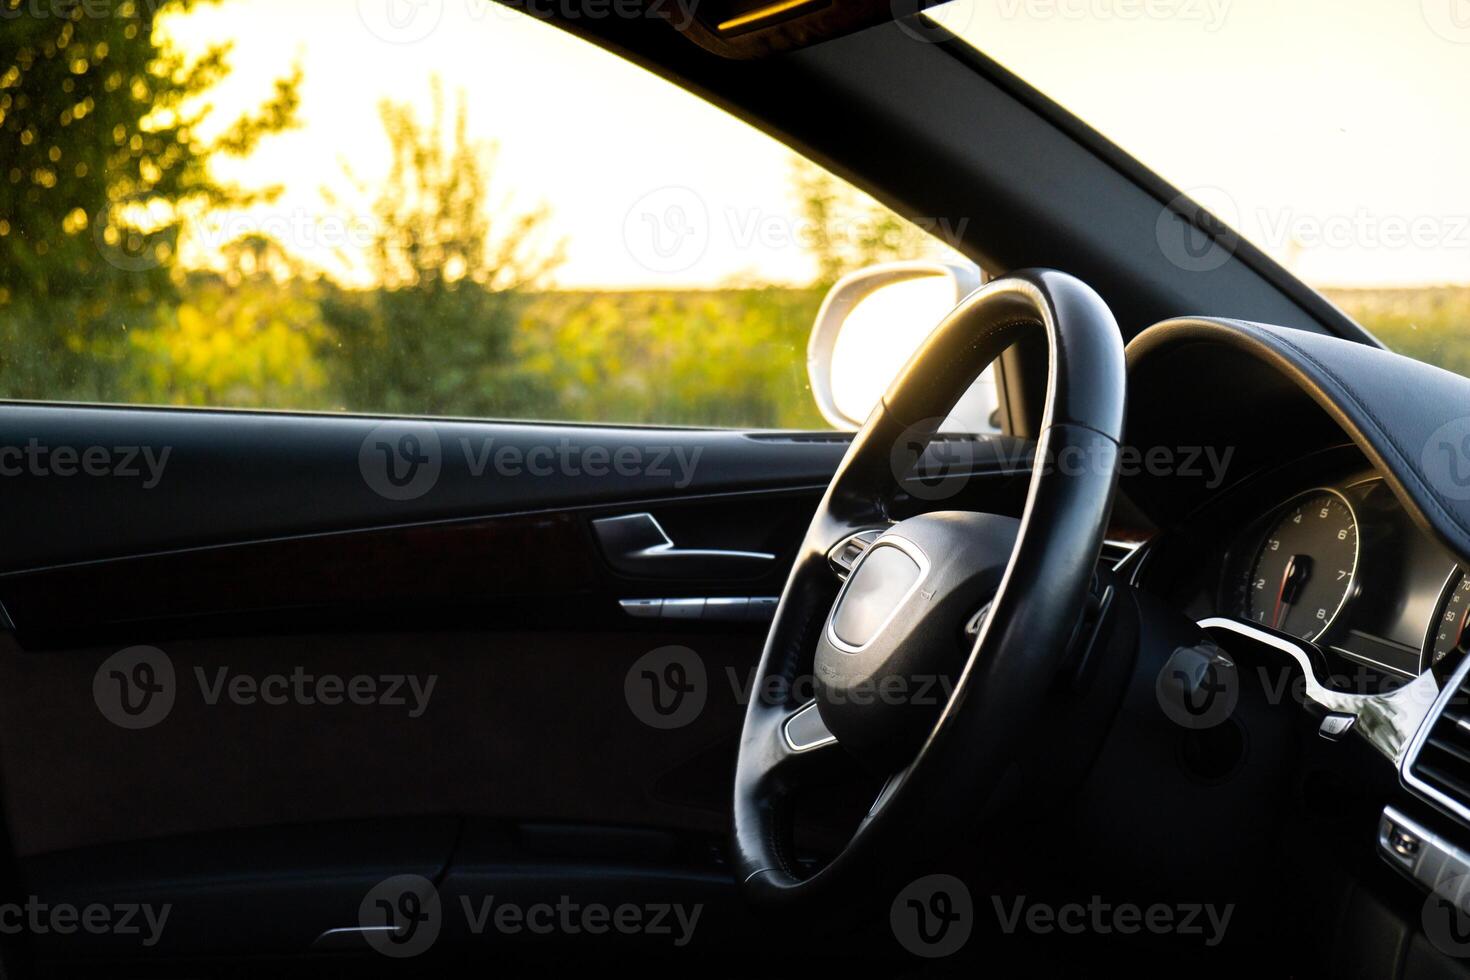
(435, 337)
(100, 163)
(845, 230)
(726, 357)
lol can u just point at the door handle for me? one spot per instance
(636, 544)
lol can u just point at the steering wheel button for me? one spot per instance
(1336, 724)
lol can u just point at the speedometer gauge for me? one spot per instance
(1304, 572)
(1451, 629)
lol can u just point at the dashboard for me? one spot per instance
(1323, 551)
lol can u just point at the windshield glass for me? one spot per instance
(1333, 134)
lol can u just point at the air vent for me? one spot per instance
(1437, 763)
(803, 438)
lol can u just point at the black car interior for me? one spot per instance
(1059, 602)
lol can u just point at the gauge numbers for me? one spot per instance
(1452, 625)
(1304, 572)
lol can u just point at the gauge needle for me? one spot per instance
(1298, 570)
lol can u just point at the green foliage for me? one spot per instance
(100, 165)
(1431, 324)
(733, 357)
(435, 337)
(248, 343)
(846, 230)
(102, 171)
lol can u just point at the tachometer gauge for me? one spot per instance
(1451, 629)
(1305, 570)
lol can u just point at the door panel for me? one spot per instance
(362, 683)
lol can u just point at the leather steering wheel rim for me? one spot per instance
(1031, 617)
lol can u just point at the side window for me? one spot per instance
(460, 211)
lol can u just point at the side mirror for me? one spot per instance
(871, 323)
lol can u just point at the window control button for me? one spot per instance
(642, 608)
(683, 608)
(726, 609)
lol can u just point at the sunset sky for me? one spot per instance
(1334, 134)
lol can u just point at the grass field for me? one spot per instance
(725, 357)
(1429, 324)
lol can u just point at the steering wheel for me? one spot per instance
(880, 645)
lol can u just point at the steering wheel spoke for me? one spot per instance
(791, 739)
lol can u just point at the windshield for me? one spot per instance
(1333, 134)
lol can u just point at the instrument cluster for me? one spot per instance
(1322, 551)
(1344, 567)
